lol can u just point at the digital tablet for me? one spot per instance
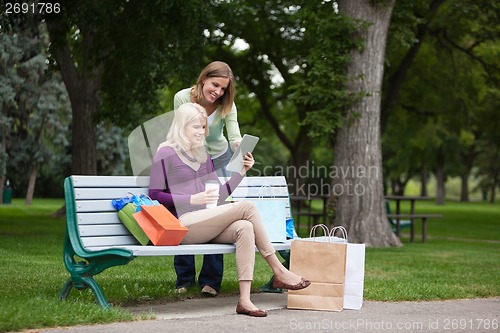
(246, 146)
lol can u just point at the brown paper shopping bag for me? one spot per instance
(322, 261)
(161, 226)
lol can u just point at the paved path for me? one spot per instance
(218, 315)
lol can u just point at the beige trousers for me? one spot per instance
(235, 223)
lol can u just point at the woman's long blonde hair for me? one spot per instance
(183, 116)
(217, 69)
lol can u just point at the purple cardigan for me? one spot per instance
(172, 182)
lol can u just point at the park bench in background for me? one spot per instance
(95, 234)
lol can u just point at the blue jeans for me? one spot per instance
(210, 274)
(221, 162)
(213, 264)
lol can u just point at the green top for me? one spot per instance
(216, 142)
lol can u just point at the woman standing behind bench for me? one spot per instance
(180, 169)
(214, 90)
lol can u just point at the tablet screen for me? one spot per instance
(247, 145)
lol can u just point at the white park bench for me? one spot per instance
(95, 234)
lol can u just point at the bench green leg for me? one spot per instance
(63, 295)
(85, 282)
(83, 270)
(82, 275)
(268, 287)
(90, 282)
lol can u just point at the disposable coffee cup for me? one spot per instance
(212, 184)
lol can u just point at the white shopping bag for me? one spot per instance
(354, 274)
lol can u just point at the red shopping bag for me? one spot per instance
(161, 226)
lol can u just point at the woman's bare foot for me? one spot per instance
(287, 277)
(247, 304)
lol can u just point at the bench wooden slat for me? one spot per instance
(264, 181)
(109, 241)
(120, 192)
(94, 206)
(139, 250)
(98, 218)
(107, 193)
(258, 192)
(103, 230)
(110, 181)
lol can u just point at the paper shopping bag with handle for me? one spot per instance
(161, 226)
(322, 261)
(273, 214)
(126, 215)
(354, 273)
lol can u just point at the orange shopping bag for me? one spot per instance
(161, 226)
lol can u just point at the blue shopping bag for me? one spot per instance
(273, 214)
(138, 200)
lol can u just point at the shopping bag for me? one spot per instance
(126, 207)
(290, 228)
(161, 226)
(273, 214)
(118, 204)
(126, 215)
(354, 274)
(322, 261)
(144, 200)
(138, 200)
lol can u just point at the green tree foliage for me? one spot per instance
(113, 55)
(443, 90)
(293, 66)
(35, 104)
(322, 90)
(36, 114)
(488, 161)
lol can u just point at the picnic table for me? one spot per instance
(412, 216)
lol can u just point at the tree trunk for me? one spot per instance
(300, 174)
(83, 85)
(494, 185)
(440, 179)
(3, 160)
(467, 158)
(464, 189)
(31, 185)
(84, 142)
(358, 184)
(2, 182)
(425, 179)
(493, 193)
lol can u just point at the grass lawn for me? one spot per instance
(459, 260)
